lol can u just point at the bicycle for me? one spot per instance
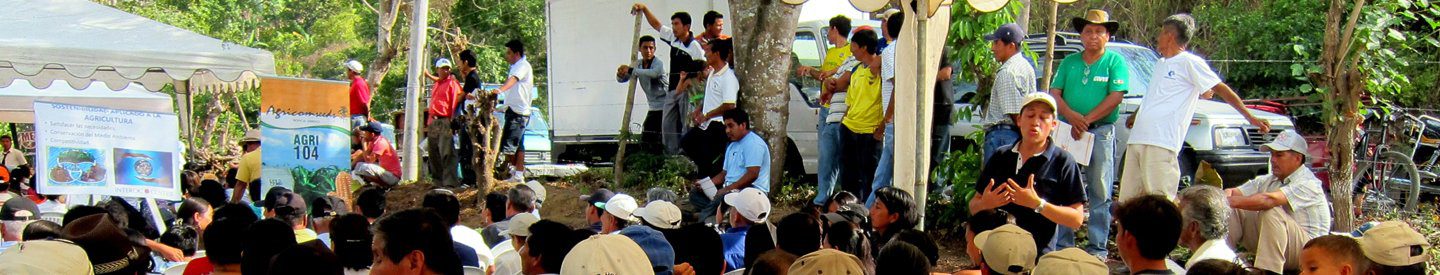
(1392, 173)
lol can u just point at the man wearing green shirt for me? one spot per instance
(1088, 87)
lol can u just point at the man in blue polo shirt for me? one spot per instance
(747, 165)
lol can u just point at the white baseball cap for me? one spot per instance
(539, 190)
(1041, 97)
(520, 224)
(606, 254)
(751, 203)
(662, 214)
(622, 206)
(442, 63)
(1289, 140)
(354, 66)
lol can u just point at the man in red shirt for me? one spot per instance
(377, 163)
(441, 145)
(359, 94)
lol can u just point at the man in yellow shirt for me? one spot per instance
(828, 129)
(248, 173)
(864, 114)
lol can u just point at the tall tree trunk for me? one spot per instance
(1343, 85)
(764, 31)
(1023, 19)
(386, 41)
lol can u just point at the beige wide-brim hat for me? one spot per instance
(1099, 17)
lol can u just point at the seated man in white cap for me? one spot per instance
(1007, 249)
(507, 256)
(747, 207)
(1394, 247)
(1276, 214)
(619, 213)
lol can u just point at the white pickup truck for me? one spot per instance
(587, 103)
(1218, 134)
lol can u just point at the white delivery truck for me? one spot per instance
(588, 39)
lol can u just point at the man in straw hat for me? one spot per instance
(248, 174)
(1276, 214)
(1088, 88)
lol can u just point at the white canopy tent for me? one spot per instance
(82, 43)
(17, 101)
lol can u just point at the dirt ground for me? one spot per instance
(562, 204)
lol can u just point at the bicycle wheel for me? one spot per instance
(1398, 180)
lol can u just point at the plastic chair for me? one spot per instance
(470, 270)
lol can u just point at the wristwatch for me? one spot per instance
(1041, 207)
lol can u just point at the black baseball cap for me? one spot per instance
(1008, 33)
(19, 209)
(373, 127)
(598, 198)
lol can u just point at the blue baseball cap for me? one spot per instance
(1008, 33)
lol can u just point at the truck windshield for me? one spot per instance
(805, 47)
(1142, 64)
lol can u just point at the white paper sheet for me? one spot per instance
(1079, 149)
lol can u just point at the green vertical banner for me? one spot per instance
(305, 134)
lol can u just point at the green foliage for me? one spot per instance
(959, 171)
(645, 170)
(490, 23)
(1397, 45)
(966, 43)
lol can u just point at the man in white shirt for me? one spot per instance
(1158, 128)
(1277, 213)
(1203, 211)
(11, 157)
(705, 143)
(519, 89)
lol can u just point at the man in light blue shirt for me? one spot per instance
(747, 164)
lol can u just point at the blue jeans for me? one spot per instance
(995, 137)
(1099, 177)
(829, 140)
(885, 168)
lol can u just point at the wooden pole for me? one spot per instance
(1050, 46)
(629, 104)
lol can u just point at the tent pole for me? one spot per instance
(413, 88)
(182, 89)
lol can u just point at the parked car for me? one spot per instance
(1218, 134)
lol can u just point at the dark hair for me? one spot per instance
(710, 18)
(757, 241)
(188, 208)
(371, 202)
(129, 218)
(1216, 267)
(844, 197)
(698, 245)
(41, 230)
(5, 137)
(772, 262)
(418, 230)
(265, 239)
(922, 241)
(272, 195)
(183, 237)
(467, 57)
(551, 241)
(798, 233)
(683, 16)
(987, 220)
(848, 237)
(1380, 269)
(840, 24)
(516, 46)
(893, 24)
(738, 115)
(1160, 220)
(237, 212)
(495, 202)
(646, 39)
(899, 203)
(350, 235)
(902, 258)
(211, 191)
(306, 258)
(866, 40)
(445, 203)
(722, 47)
(522, 198)
(1341, 249)
(225, 240)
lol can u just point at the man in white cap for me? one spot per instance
(507, 258)
(606, 254)
(441, 145)
(1394, 247)
(747, 207)
(660, 215)
(1007, 249)
(359, 93)
(619, 213)
(1276, 214)
(248, 174)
